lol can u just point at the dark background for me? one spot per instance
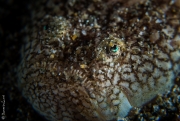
(14, 16)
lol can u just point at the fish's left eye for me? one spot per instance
(114, 49)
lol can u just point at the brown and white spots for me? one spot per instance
(135, 86)
(148, 67)
(129, 77)
(115, 102)
(157, 73)
(115, 79)
(136, 58)
(113, 96)
(112, 64)
(51, 56)
(169, 31)
(154, 36)
(99, 98)
(83, 66)
(161, 80)
(87, 66)
(162, 56)
(119, 69)
(75, 101)
(145, 89)
(55, 92)
(142, 77)
(163, 64)
(109, 74)
(116, 90)
(103, 105)
(176, 68)
(116, 66)
(126, 68)
(151, 82)
(175, 56)
(124, 85)
(86, 104)
(73, 93)
(101, 77)
(108, 83)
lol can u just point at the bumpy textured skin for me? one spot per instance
(70, 72)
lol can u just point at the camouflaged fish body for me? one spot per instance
(80, 68)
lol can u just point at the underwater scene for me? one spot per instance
(90, 60)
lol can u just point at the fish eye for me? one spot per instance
(114, 49)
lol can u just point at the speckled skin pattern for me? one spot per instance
(99, 63)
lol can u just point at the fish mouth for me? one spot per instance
(126, 91)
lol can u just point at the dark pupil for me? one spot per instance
(114, 48)
(45, 27)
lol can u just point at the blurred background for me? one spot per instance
(15, 15)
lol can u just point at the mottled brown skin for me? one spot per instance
(92, 66)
